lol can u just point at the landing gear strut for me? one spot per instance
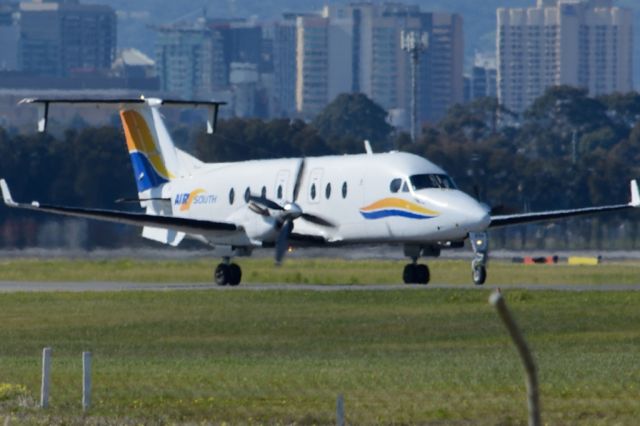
(480, 245)
(227, 273)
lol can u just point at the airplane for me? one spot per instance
(369, 198)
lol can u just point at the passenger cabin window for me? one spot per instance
(263, 193)
(232, 196)
(344, 190)
(395, 185)
(247, 194)
(431, 181)
(327, 191)
(313, 191)
(279, 195)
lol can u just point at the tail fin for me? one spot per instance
(153, 154)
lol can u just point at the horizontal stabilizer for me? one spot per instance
(44, 103)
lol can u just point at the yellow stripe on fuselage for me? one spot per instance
(398, 203)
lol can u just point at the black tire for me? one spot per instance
(235, 274)
(222, 274)
(479, 275)
(422, 274)
(409, 274)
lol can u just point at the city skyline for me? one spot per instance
(295, 65)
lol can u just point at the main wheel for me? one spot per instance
(409, 274)
(479, 275)
(235, 274)
(422, 274)
(222, 274)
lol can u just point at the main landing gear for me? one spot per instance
(227, 273)
(480, 245)
(416, 274)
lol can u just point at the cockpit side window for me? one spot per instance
(431, 181)
(395, 185)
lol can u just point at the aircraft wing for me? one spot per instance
(516, 219)
(189, 226)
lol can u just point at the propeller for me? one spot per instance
(289, 212)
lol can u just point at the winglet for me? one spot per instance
(6, 194)
(635, 194)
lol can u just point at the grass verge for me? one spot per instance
(242, 357)
(313, 271)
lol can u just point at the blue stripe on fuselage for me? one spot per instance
(380, 214)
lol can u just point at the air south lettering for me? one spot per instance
(195, 197)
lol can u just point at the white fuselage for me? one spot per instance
(355, 192)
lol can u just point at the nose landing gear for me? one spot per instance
(480, 245)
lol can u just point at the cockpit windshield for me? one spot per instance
(431, 181)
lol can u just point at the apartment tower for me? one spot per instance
(582, 43)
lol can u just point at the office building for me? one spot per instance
(483, 80)
(356, 48)
(583, 43)
(59, 38)
(9, 36)
(284, 66)
(189, 60)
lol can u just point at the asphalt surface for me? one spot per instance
(17, 287)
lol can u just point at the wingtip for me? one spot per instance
(6, 194)
(635, 194)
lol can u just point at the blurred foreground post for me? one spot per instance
(46, 376)
(86, 380)
(340, 410)
(533, 398)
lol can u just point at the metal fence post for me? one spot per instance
(86, 380)
(46, 377)
(533, 399)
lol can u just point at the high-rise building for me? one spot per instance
(483, 78)
(284, 65)
(60, 37)
(9, 36)
(356, 48)
(189, 60)
(583, 43)
(312, 64)
(242, 42)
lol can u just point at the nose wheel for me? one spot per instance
(480, 245)
(479, 274)
(416, 274)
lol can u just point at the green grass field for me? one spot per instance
(282, 357)
(313, 271)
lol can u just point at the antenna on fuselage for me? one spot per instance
(367, 147)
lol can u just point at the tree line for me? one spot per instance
(567, 150)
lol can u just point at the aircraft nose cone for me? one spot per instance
(478, 218)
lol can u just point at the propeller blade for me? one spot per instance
(317, 220)
(282, 244)
(257, 209)
(265, 202)
(298, 182)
